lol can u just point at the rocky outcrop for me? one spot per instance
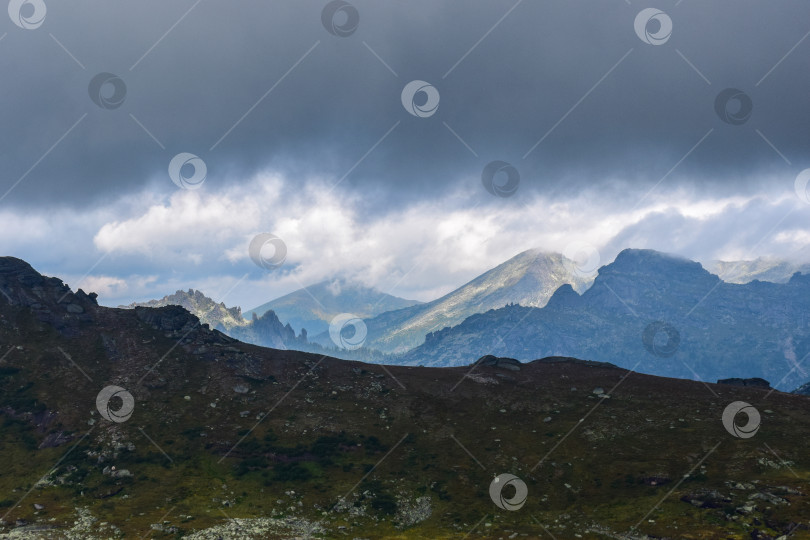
(754, 381)
(172, 319)
(509, 364)
(51, 301)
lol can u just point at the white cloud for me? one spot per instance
(148, 247)
(800, 238)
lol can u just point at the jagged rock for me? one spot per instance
(215, 315)
(84, 297)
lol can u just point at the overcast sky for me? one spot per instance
(616, 133)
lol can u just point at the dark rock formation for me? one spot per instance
(754, 381)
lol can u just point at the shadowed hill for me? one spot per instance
(203, 436)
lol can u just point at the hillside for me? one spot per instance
(529, 279)
(236, 441)
(717, 329)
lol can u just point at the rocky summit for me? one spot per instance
(129, 423)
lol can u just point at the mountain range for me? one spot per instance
(657, 313)
(528, 279)
(537, 304)
(526, 308)
(128, 423)
(396, 325)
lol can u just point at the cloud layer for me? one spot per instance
(420, 250)
(618, 139)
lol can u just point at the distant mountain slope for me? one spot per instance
(528, 279)
(762, 268)
(724, 330)
(315, 306)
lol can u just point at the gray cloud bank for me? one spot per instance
(564, 91)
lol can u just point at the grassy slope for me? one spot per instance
(331, 422)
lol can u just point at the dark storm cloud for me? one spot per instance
(336, 102)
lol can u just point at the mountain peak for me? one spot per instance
(16, 272)
(563, 297)
(631, 256)
(21, 284)
(648, 262)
